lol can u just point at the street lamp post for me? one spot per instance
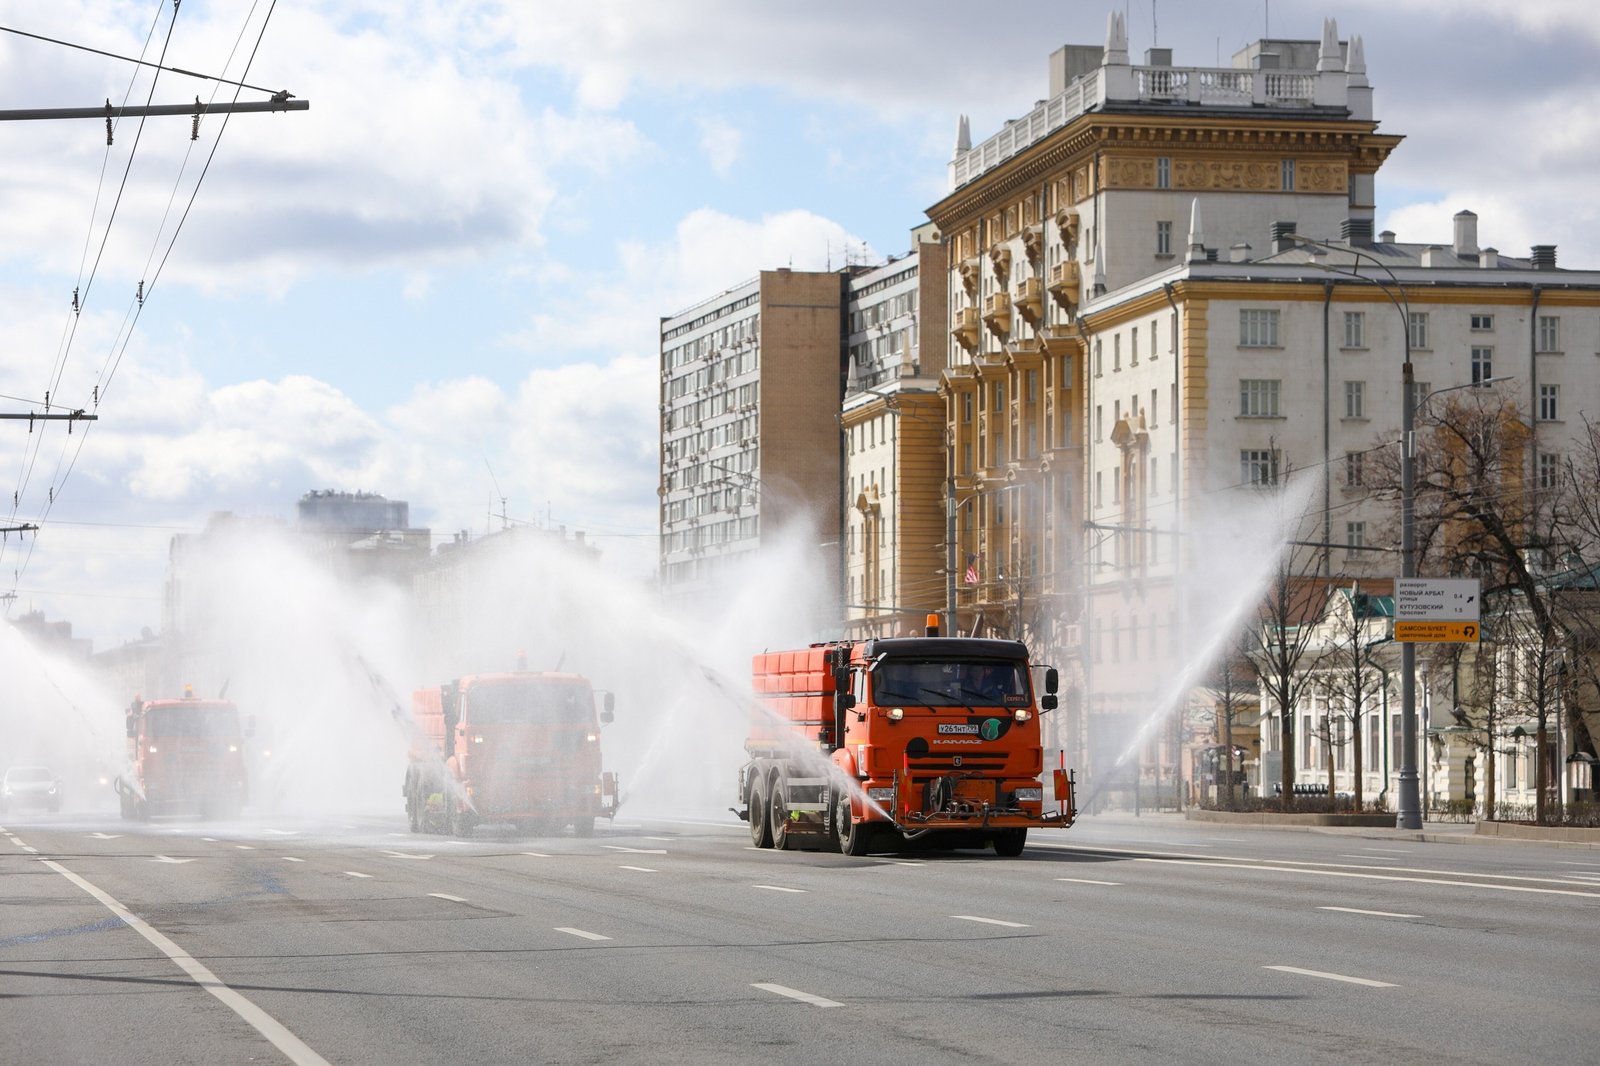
(1409, 815)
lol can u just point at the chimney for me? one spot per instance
(1239, 253)
(1544, 257)
(1158, 57)
(1282, 236)
(1466, 238)
(1489, 259)
(1433, 256)
(1357, 231)
(1386, 237)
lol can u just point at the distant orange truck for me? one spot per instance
(520, 747)
(186, 757)
(907, 741)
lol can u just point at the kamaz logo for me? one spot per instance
(991, 729)
(958, 727)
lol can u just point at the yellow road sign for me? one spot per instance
(1437, 632)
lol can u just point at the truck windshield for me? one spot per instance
(537, 702)
(193, 720)
(950, 683)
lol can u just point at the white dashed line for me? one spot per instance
(1332, 976)
(291, 858)
(635, 851)
(641, 869)
(794, 993)
(245, 847)
(1086, 881)
(581, 932)
(536, 854)
(353, 873)
(897, 862)
(446, 895)
(1375, 914)
(990, 921)
(778, 888)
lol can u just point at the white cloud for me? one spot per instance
(721, 143)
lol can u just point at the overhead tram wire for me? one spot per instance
(142, 62)
(104, 383)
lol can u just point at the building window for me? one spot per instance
(1549, 469)
(1258, 467)
(1482, 322)
(1353, 463)
(1417, 330)
(1355, 538)
(1258, 397)
(1163, 238)
(1099, 361)
(1288, 175)
(1133, 346)
(1099, 422)
(1482, 365)
(1548, 397)
(1099, 488)
(1355, 329)
(966, 407)
(1549, 333)
(1258, 328)
(1164, 174)
(1355, 399)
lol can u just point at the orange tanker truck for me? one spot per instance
(520, 747)
(185, 756)
(876, 745)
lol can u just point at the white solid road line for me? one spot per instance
(1376, 914)
(1305, 869)
(897, 862)
(636, 851)
(794, 993)
(641, 869)
(445, 895)
(291, 858)
(245, 847)
(778, 888)
(1333, 976)
(580, 932)
(293, 1048)
(990, 921)
(1086, 881)
(168, 858)
(352, 873)
(536, 854)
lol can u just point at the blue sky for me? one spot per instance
(443, 281)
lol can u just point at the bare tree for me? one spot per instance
(1277, 646)
(1357, 632)
(1233, 691)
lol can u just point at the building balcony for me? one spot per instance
(1067, 224)
(965, 330)
(997, 313)
(970, 270)
(1066, 283)
(1000, 259)
(1030, 300)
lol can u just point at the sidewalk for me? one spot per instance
(1431, 832)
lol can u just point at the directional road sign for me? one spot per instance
(1429, 609)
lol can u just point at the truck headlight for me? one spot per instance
(881, 795)
(152, 749)
(477, 740)
(894, 714)
(1022, 714)
(1035, 795)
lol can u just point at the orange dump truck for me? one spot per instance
(520, 747)
(184, 757)
(907, 741)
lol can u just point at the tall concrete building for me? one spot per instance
(1151, 306)
(751, 381)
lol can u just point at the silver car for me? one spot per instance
(30, 786)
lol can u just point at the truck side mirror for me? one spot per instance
(1048, 702)
(1052, 681)
(131, 722)
(608, 713)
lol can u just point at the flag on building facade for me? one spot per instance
(972, 568)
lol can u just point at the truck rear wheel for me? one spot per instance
(778, 805)
(583, 825)
(760, 835)
(855, 838)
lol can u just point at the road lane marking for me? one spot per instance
(168, 858)
(446, 895)
(283, 832)
(245, 847)
(1370, 858)
(989, 921)
(104, 836)
(536, 854)
(667, 839)
(1333, 976)
(1391, 851)
(795, 993)
(30, 849)
(405, 855)
(1377, 914)
(1086, 881)
(897, 862)
(1302, 868)
(293, 1048)
(354, 873)
(778, 888)
(641, 869)
(208, 840)
(580, 932)
(635, 851)
(291, 858)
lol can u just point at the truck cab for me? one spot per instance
(185, 756)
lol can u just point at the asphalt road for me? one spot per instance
(1116, 941)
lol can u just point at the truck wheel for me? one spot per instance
(583, 825)
(414, 807)
(778, 805)
(760, 835)
(855, 838)
(1008, 842)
